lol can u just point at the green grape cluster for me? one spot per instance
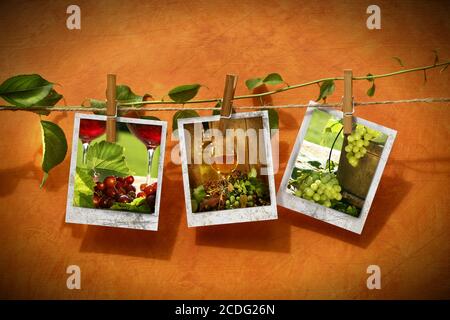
(244, 193)
(358, 142)
(319, 187)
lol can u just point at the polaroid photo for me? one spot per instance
(227, 169)
(332, 177)
(116, 184)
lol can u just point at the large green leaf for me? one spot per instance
(326, 89)
(184, 93)
(106, 158)
(54, 147)
(180, 114)
(273, 79)
(25, 90)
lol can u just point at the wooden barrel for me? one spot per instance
(356, 181)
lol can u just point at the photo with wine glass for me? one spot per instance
(123, 176)
(229, 169)
(332, 176)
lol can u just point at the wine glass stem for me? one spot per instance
(85, 149)
(150, 152)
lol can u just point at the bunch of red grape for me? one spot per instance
(149, 193)
(114, 189)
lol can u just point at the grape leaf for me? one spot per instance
(315, 164)
(137, 205)
(54, 147)
(371, 90)
(84, 200)
(50, 100)
(181, 114)
(273, 79)
(83, 188)
(333, 126)
(25, 90)
(105, 159)
(273, 119)
(253, 83)
(184, 93)
(124, 94)
(326, 89)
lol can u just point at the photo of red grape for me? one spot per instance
(121, 190)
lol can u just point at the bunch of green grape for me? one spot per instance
(358, 142)
(319, 187)
(244, 193)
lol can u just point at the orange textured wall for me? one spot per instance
(156, 45)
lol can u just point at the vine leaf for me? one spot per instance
(270, 79)
(253, 83)
(54, 147)
(315, 164)
(217, 108)
(400, 62)
(184, 93)
(273, 79)
(106, 159)
(371, 90)
(125, 94)
(50, 100)
(273, 119)
(181, 114)
(326, 89)
(25, 90)
(84, 186)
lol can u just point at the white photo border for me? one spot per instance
(114, 218)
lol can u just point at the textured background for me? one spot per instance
(156, 45)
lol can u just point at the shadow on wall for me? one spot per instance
(390, 193)
(137, 243)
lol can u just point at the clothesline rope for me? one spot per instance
(287, 106)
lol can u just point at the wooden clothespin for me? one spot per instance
(347, 107)
(111, 108)
(227, 101)
(228, 95)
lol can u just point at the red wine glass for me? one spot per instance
(89, 130)
(150, 136)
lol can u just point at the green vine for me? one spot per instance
(31, 92)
